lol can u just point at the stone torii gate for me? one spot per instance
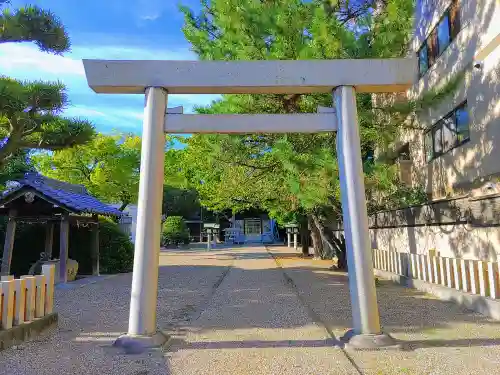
(343, 78)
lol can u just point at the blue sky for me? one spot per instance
(106, 29)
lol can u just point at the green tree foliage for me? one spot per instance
(30, 112)
(15, 168)
(174, 231)
(293, 176)
(33, 24)
(108, 166)
(180, 202)
(30, 118)
(116, 251)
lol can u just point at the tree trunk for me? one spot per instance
(321, 231)
(123, 206)
(316, 238)
(335, 245)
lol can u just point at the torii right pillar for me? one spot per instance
(366, 332)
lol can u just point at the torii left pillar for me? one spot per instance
(142, 331)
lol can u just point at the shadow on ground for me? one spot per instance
(411, 316)
(92, 317)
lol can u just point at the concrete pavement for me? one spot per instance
(256, 324)
(438, 337)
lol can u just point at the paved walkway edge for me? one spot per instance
(315, 317)
(480, 304)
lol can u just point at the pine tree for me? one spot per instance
(33, 24)
(293, 176)
(30, 112)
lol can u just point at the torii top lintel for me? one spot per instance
(250, 77)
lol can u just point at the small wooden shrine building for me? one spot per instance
(38, 199)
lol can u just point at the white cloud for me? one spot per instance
(15, 57)
(27, 58)
(151, 10)
(151, 17)
(99, 113)
(84, 111)
(25, 61)
(131, 53)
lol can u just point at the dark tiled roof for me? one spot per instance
(75, 197)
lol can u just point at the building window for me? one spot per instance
(437, 136)
(429, 149)
(443, 33)
(462, 122)
(423, 60)
(448, 133)
(439, 38)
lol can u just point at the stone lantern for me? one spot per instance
(292, 229)
(212, 230)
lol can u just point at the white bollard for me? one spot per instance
(421, 267)
(20, 301)
(465, 275)
(40, 296)
(473, 277)
(458, 273)
(417, 266)
(400, 263)
(482, 278)
(442, 270)
(7, 278)
(436, 268)
(493, 278)
(450, 277)
(430, 273)
(48, 270)
(413, 266)
(7, 289)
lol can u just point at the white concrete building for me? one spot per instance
(455, 157)
(460, 150)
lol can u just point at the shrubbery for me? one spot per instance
(116, 251)
(174, 231)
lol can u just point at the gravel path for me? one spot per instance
(91, 317)
(441, 338)
(233, 311)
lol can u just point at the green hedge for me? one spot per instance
(116, 249)
(174, 231)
